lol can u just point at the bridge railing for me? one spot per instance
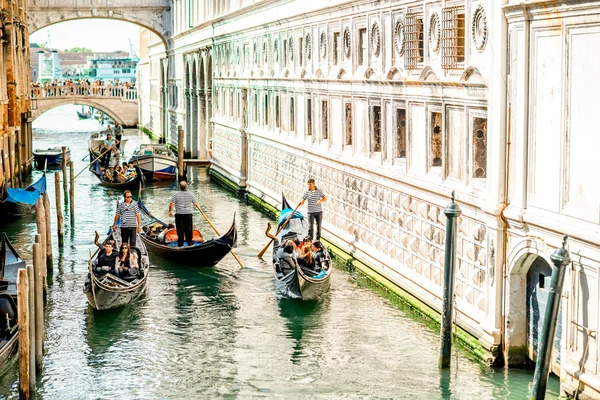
(84, 91)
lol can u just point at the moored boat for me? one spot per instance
(109, 291)
(131, 183)
(15, 203)
(10, 263)
(297, 284)
(50, 157)
(204, 254)
(157, 162)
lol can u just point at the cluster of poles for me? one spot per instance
(32, 280)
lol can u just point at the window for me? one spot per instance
(362, 46)
(231, 110)
(292, 115)
(336, 47)
(284, 52)
(266, 109)
(325, 119)
(300, 55)
(376, 129)
(348, 119)
(256, 108)
(413, 34)
(400, 133)
(309, 117)
(479, 147)
(435, 142)
(453, 37)
(277, 112)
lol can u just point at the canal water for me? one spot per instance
(222, 332)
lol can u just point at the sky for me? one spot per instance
(99, 35)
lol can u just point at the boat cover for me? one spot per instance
(28, 195)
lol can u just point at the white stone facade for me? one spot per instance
(391, 106)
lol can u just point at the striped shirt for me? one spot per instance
(183, 201)
(128, 213)
(312, 196)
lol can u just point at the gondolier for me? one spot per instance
(117, 131)
(183, 202)
(315, 198)
(131, 220)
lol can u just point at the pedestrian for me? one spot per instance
(183, 201)
(131, 220)
(315, 198)
(118, 134)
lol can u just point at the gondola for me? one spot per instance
(15, 203)
(205, 254)
(83, 115)
(50, 157)
(96, 141)
(132, 183)
(157, 162)
(108, 291)
(297, 284)
(10, 263)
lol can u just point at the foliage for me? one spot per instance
(78, 50)
(34, 45)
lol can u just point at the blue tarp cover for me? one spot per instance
(28, 195)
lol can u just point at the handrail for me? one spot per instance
(114, 92)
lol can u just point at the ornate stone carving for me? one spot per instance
(399, 35)
(276, 50)
(434, 32)
(265, 50)
(375, 39)
(308, 46)
(255, 51)
(479, 28)
(291, 47)
(347, 42)
(323, 45)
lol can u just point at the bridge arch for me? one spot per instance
(115, 111)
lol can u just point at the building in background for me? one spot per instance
(392, 106)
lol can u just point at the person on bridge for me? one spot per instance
(118, 134)
(131, 220)
(315, 198)
(183, 201)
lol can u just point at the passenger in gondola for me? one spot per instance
(126, 264)
(102, 245)
(286, 258)
(131, 170)
(105, 263)
(322, 260)
(161, 236)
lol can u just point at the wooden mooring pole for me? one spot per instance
(48, 230)
(23, 320)
(72, 193)
(64, 172)
(180, 153)
(59, 214)
(40, 220)
(31, 279)
(39, 303)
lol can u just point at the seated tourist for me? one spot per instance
(305, 256)
(321, 259)
(161, 236)
(105, 263)
(126, 264)
(131, 169)
(285, 255)
(100, 245)
(119, 176)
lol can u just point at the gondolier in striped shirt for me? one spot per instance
(131, 220)
(183, 202)
(315, 198)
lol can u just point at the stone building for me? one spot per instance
(391, 106)
(15, 121)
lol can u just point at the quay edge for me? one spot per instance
(470, 342)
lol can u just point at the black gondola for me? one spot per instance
(15, 203)
(10, 263)
(205, 254)
(131, 183)
(297, 284)
(108, 291)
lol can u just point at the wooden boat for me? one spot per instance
(49, 157)
(96, 141)
(132, 183)
(10, 263)
(83, 115)
(15, 203)
(297, 284)
(156, 161)
(108, 291)
(205, 254)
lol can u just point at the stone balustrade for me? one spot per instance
(90, 91)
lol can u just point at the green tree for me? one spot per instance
(78, 50)
(34, 45)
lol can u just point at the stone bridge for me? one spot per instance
(119, 103)
(151, 14)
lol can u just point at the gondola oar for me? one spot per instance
(217, 232)
(94, 160)
(279, 230)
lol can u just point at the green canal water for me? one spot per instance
(221, 332)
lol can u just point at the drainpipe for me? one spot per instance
(560, 259)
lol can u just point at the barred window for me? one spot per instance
(453, 37)
(413, 38)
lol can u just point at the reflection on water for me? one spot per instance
(221, 332)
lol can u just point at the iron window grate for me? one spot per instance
(453, 37)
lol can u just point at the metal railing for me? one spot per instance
(84, 91)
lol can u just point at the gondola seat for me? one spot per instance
(7, 308)
(171, 236)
